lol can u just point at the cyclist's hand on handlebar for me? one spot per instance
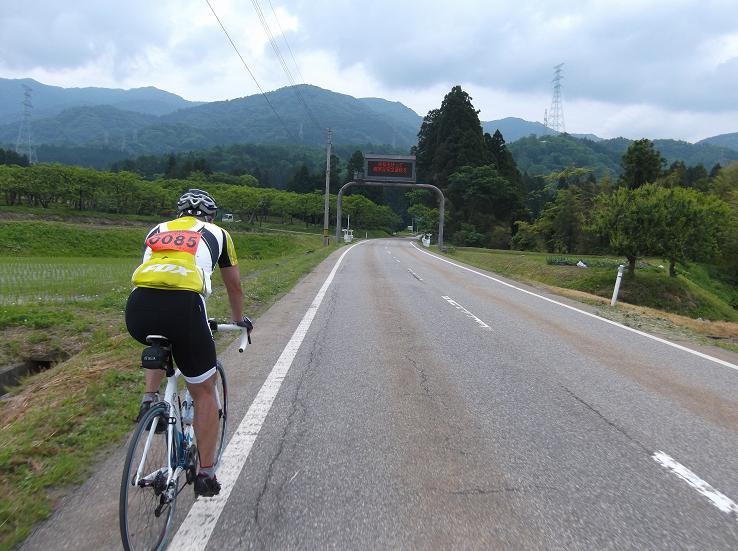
(246, 323)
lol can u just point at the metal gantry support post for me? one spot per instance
(441, 200)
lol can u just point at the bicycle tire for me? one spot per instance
(140, 528)
(221, 388)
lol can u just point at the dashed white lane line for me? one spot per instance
(603, 320)
(196, 529)
(396, 259)
(467, 313)
(718, 499)
(416, 276)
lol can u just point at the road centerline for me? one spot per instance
(718, 499)
(467, 313)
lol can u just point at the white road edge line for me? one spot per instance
(196, 529)
(718, 499)
(466, 312)
(604, 320)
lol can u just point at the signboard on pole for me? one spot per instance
(389, 168)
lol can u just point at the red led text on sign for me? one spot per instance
(390, 168)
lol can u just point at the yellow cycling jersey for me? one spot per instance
(181, 255)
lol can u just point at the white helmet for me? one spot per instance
(196, 202)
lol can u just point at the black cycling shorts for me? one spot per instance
(180, 316)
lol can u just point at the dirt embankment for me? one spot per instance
(658, 321)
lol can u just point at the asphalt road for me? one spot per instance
(431, 407)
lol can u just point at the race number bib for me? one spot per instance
(183, 240)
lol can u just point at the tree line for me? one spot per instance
(678, 213)
(10, 157)
(85, 190)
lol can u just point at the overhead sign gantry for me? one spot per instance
(390, 170)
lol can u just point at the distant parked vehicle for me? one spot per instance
(228, 217)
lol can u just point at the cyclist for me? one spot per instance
(170, 288)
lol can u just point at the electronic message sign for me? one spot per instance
(389, 168)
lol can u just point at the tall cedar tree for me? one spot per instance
(450, 138)
(642, 164)
(304, 182)
(10, 157)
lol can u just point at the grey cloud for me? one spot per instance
(56, 35)
(649, 52)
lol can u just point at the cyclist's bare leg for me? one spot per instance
(153, 379)
(206, 419)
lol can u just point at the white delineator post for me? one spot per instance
(615, 291)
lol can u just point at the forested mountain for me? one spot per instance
(101, 125)
(513, 128)
(243, 120)
(96, 126)
(251, 120)
(723, 140)
(48, 101)
(539, 156)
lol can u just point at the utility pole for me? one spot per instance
(327, 189)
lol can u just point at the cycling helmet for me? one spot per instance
(196, 202)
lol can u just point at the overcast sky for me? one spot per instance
(633, 68)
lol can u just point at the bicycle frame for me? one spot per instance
(173, 430)
(175, 426)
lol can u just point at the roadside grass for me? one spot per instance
(695, 304)
(651, 287)
(56, 424)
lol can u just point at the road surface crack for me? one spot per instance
(296, 414)
(612, 424)
(503, 490)
(424, 382)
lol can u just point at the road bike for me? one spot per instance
(163, 449)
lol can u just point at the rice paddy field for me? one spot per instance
(33, 280)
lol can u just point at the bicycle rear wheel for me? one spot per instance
(221, 393)
(144, 510)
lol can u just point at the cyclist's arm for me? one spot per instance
(232, 279)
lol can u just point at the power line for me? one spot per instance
(284, 36)
(287, 130)
(294, 61)
(283, 63)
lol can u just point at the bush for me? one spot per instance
(526, 237)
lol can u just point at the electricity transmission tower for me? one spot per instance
(556, 113)
(24, 143)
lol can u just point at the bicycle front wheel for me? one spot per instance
(146, 507)
(221, 394)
